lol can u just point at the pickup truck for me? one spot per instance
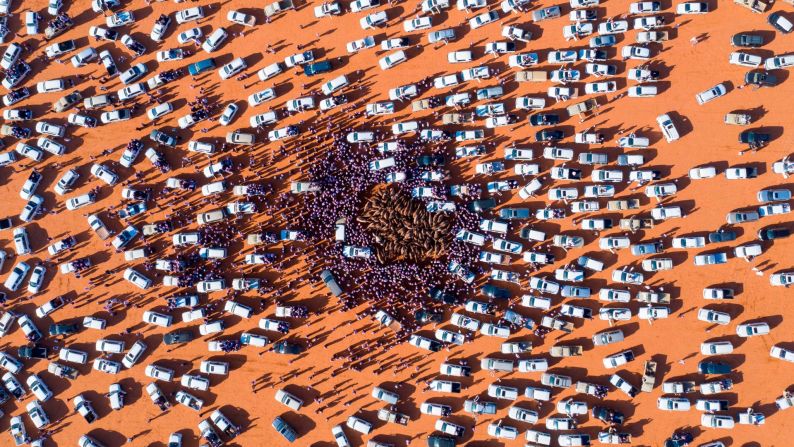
(649, 376)
(756, 6)
(392, 416)
(277, 7)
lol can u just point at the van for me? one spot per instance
(317, 68)
(330, 282)
(199, 67)
(492, 364)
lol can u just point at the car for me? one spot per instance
(418, 24)
(769, 234)
(132, 91)
(232, 68)
(115, 116)
(782, 353)
(673, 404)
(713, 316)
(745, 59)
(780, 22)
(752, 329)
(716, 421)
(692, 8)
(747, 40)
(189, 15)
(642, 91)
(374, 20)
(392, 60)
(483, 19)
(784, 279)
(711, 94)
(782, 61)
(133, 73)
(214, 40)
(716, 348)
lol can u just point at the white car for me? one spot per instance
(782, 61)
(232, 68)
(241, 18)
(189, 15)
(105, 174)
(713, 316)
(214, 40)
(752, 329)
(190, 35)
(711, 94)
(745, 59)
(159, 373)
(483, 19)
(418, 24)
(159, 111)
(456, 57)
(38, 388)
(214, 367)
(673, 404)
(261, 97)
(782, 353)
(393, 60)
(692, 8)
(642, 91)
(374, 20)
(37, 414)
(716, 347)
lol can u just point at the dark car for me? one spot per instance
(608, 415)
(479, 206)
(330, 282)
(549, 135)
(430, 160)
(440, 441)
(722, 236)
(6, 223)
(4, 396)
(747, 40)
(64, 328)
(714, 368)
(178, 337)
(285, 430)
(760, 78)
(679, 440)
(514, 213)
(201, 66)
(317, 68)
(437, 294)
(427, 316)
(769, 234)
(35, 352)
(493, 291)
(544, 119)
(754, 137)
(285, 347)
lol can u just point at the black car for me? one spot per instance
(36, 352)
(479, 206)
(6, 223)
(754, 138)
(705, 367)
(64, 328)
(747, 40)
(679, 440)
(177, 337)
(549, 135)
(430, 160)
(439, 295)
(492, 291)
(768, 234)
(544, 119)
(760, 78)
(608, 415)
(722, 236)
(285, 347)
(426, 316)
(440, 441)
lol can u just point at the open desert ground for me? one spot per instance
(346, 351)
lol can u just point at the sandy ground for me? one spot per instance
(674, 342)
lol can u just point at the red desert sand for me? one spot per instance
(336, 338)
